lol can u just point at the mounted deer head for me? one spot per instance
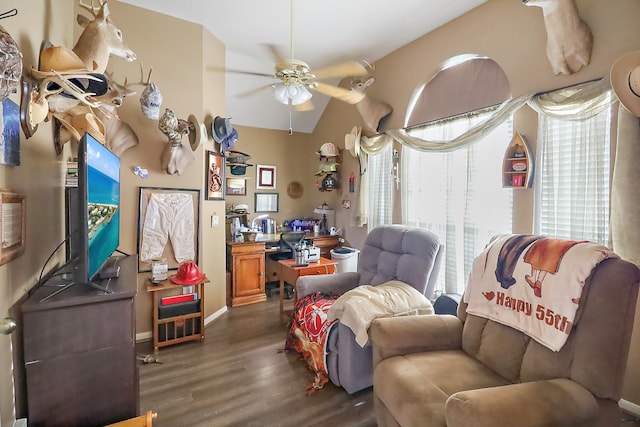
(100, 39)
(120, 136)
(371, 111)
(569, 38)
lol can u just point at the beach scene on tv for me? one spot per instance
(103, 196)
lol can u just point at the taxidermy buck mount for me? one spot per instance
(569, 38)
(371, 110)
(100, 38)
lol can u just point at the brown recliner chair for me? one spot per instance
(469, 371)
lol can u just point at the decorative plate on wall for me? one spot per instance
(294, 190)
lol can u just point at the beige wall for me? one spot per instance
(39, 177)
(505, 30)
(180, 71)
(514, 36)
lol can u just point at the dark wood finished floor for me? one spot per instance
(239, 377)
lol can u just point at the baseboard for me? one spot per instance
(148, 335)
(630, 407)
(215, 315)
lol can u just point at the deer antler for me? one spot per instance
(91, 9)
(142, 82)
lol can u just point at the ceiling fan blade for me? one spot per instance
(349, 68)
(251, 73)
(276, 53)
(254, 91)
(305, 106)
(339, 93)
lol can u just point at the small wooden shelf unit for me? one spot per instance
(514, 175)
(187, 325)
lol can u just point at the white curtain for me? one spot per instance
(379, 183)
(573, 166)
(457, 194)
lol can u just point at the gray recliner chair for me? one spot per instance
(390, 252)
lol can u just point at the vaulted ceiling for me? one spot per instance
(324, 33)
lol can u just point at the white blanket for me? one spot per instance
(533, 284)
(358, 307)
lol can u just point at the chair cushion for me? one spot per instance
(398, 252)
(416, 386)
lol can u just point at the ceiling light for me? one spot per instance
(293, 92)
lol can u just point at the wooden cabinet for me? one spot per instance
(176, 323)
(517, 166)
(246, 263)
(79, 352)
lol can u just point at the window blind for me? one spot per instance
(573, 178)
(380, 188)
(458, 195)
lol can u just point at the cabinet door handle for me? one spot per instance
(261, 274)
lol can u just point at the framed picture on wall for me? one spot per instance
(215, 181)
(236, 187)
(166, 214)
(266, 177)
(266, 202)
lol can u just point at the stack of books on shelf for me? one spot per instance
(71, 179)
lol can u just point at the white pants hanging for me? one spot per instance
(169, 215)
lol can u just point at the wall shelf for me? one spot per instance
(518, 165)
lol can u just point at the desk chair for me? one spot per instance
(288, 240)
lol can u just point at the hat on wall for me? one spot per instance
(352, 141)
(188, 274)
(83, 123)
(625, 81)
(196, 132)
(60, 59)
(239, 169)
(150, 101)
(328, 149)
(221, 129)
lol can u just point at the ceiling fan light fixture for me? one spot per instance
(302, 95)
(280, 93)
(293, 92)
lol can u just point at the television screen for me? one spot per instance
(93, 210)
(103, 204)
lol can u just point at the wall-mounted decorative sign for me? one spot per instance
(266, 177)
(215, 176)
(12, 226)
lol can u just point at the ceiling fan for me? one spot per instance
(297, 79)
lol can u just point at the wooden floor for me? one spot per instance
(240, 377)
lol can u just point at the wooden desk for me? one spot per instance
(290, 274)
(250, 270)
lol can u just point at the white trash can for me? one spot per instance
(347, 259)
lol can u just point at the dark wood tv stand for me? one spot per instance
(79, 352)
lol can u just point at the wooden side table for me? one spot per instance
(181, 327)
(289, 273)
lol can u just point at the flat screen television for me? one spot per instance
(93, 211)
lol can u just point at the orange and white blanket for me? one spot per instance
(532, 283)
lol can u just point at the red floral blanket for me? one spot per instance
(308, 334)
